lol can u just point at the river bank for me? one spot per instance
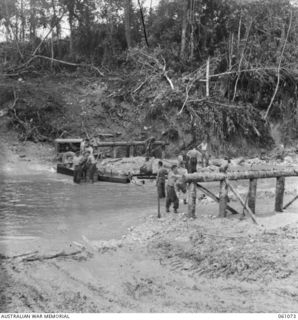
(171, 264)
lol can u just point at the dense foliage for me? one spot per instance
(251, 46)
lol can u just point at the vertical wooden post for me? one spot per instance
(223, 197)
(192, 196)
(114, 152)
(158, 204)
(132, 151)
(207, 76)
(128, 151)
(252, 193)
(279, 194)
(163, 151)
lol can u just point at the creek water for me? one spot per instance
(51, 207)
(45, 208)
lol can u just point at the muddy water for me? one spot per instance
(50, 207)
(47, 208)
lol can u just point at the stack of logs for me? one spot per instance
(130, 146)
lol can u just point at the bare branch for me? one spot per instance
(69, 63)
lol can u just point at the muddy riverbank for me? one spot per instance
(167, 265)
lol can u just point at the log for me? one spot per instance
(18, 256)
(237, 195)
(290, 202)
(236, 175)
(252, 193)
(192, 196)
(128, 143)
(51, 256)
(223, 198)
(279, 193)
(215, 198)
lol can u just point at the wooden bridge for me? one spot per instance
(225, 179)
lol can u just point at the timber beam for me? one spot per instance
(242, 175)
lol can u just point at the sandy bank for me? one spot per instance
(171, 264)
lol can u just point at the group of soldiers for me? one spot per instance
(186, 164)
(84, 163)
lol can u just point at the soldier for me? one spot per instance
(77, 165)
(85, 146)
(146, 168)
(180, 160)
(161, 180)
(182, 189)
(204, 152)
(173, 176)
(90, 167)
(193, 156)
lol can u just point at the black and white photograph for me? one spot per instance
(148, 158)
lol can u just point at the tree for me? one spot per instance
(127, 18)
(184, 28)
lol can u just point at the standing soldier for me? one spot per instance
(182, 189)
(204, 152)
(180, 160)
(77, 165)
(90, 167)
(173, 176)
(86, 146)
(193, 156)
(161, 180)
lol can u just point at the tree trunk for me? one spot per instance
(70, 21)
(191, 41)
(32, 20)
(71, 9)
(143, 23)
(23, 21)
(52, 50)
(17, 37)
(127, 17)
(184, 28)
